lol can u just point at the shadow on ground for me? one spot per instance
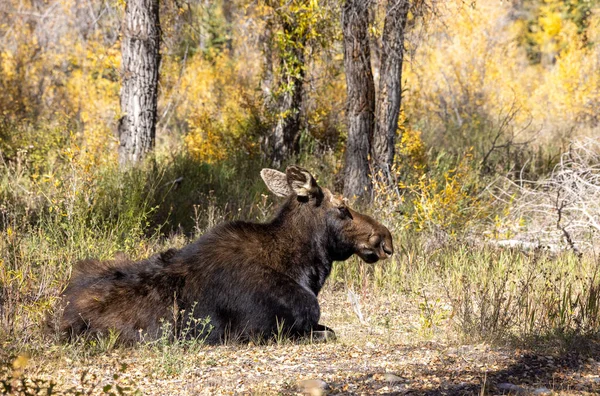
(468, 370)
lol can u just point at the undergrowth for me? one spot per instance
(488, 294)
(55, 214)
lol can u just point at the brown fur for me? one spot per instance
(247, 278)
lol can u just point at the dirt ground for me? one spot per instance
(388, 353)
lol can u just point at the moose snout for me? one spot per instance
(387, 244)
(384, 246)
(377, 243)
(379, 247)
(384, 250)
(389, 250)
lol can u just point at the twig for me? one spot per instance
(559, 211)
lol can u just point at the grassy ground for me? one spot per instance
(399, 331)
(387, 354)
(447, 314)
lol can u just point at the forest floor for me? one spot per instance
(390, 352)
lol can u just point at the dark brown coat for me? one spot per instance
(248, 279)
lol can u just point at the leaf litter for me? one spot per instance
(382, 357)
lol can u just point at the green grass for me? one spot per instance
(468, 291)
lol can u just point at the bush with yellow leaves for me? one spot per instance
(451, 203)
(220, 109)
(471, 78)
(444, 195)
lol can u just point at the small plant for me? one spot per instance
(432, 315)
(178, 341)
(105, 343)
(281, 336)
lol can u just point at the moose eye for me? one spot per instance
(344, 212)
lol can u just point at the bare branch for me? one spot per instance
(562, 208)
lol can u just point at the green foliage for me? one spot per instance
(298, 26)
(298, 38)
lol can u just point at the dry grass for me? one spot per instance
(389, 354)
(407, 316)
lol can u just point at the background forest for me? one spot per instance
(495, 200)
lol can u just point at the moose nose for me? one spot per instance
(387, 244)
(389, 250)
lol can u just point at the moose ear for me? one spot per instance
(301, 181)
(276, 182)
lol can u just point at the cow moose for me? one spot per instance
(251, 280)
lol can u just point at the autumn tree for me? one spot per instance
(293, 33)
(139, 90)
(291, 43)
(389, 95)
(373, 125)
(361, 97)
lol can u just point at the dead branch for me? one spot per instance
(563, 208)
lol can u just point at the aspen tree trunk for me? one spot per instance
(361, 97)
(141, 60)
(389, 95)
(286, 134)
(267, 77)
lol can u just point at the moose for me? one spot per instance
(249, 280)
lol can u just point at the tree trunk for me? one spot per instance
(361, 97)
(389, 95)
(284, 138)
(286, 134)
(229, 8)
(267, 77)
(141, 60)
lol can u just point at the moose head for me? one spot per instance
(348, 231)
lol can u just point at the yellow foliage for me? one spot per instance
(449, 201)
(471, 69)
(214, 101)
(410, 151)
(19, 364)
(93, 87)
(572, 87)
(49, 75)
(551, 22)
(451, 206)
(468, 69)
(474, 68)
(207, 146)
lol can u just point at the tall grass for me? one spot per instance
(494, 294)
(52, 216)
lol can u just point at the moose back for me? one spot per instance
(249, 280)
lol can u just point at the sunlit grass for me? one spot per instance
(457, 285)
